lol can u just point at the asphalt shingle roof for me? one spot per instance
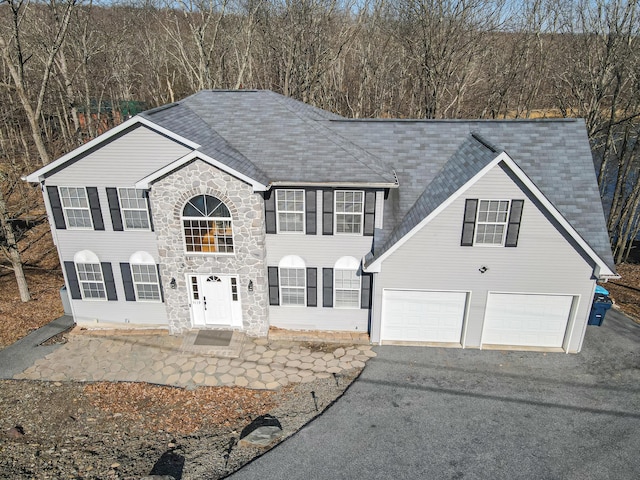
(272, 138)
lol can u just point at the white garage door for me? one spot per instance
(420, 316)
(526, 320)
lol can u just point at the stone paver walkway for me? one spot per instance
(160, 359)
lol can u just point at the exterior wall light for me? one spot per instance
(250, 287)
(483, 269)
(173, 284)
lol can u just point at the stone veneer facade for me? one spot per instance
(168, 197)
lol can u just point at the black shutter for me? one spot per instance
(160, 284)
(127, 282)
(274, 295)
(72, 279)
(270, 213)
(146, 196)
(513, 229)
(327, 212)
(114, 209)
(94, 204)
(469, 223)
(365, 293)
(327, 287)
(310, 217)
(312, 287)
(56, 207)
(369, 213)
(109, 282)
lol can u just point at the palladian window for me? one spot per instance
(207, 226)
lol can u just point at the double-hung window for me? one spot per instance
(91, 281)
(293, 283)
(346, 283)
(75, 205)
(349, 212)
(135, 212)
(491, 222)
(290, 211)
(145, 281)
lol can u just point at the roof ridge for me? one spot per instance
(345, 144)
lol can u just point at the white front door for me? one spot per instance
(215, 300)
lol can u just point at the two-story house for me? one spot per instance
(247, 209)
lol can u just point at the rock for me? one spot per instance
(261, 432)
(158, 477)
(15, 432)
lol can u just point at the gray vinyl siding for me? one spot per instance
(319, 318)
(319, 251)
(112, 247)
(121, 162)
(544, 262)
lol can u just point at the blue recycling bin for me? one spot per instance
(601, 304)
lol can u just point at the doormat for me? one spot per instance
(213, 338)
(216, 343)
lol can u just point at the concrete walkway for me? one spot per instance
(24, 352)
(170, 360)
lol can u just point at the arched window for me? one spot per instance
(346, 283)
(293, 283)
(207, 226)
(144, 275)
(90, 277)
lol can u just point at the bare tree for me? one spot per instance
(16, 56)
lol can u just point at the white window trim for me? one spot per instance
(336, 213)
(64, 209)
(212, 219)
(123, 209)
(292, 262)
(156, 283)
(304, 210)
(104, 286)
(505, 223)
(346, 264)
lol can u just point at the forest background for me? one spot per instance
(71, 69)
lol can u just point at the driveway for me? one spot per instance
(468, 414)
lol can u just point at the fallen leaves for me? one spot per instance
(19, 318)
(626, 291)
(178, 410)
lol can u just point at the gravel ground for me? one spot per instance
(53, 430)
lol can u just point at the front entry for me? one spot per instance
(215, 300)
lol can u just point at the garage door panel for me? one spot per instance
(526, 320)
(423, 316)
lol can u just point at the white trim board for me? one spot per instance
(39, 175)
(602, 268)
(145, 183)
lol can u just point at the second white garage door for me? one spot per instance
(526, 320)
(423, 316)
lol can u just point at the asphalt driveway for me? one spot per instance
(468, 414)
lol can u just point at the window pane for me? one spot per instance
(290, 208)
(208, 236)
(347, 288)
(349, 208)
(91, 281)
